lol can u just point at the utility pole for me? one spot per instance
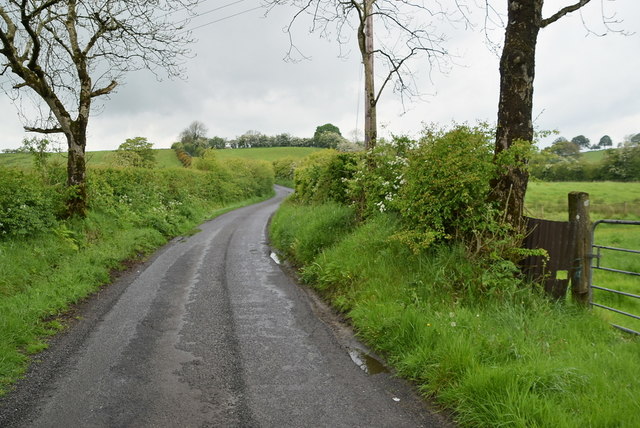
(370, 123)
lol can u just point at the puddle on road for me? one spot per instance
(366, 362)
(275, 258)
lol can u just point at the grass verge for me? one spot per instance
(40, 277)
(503, 356)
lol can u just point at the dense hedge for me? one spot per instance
(621, 164)
(27, 205)
(158, 198)
(322, 176)
(438, 186)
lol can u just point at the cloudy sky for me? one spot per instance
(238, 81)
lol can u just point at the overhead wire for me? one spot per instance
(218, 8)
(226, 17)
(199, 14)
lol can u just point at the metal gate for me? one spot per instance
(601, 264)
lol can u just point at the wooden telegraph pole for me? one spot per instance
(370, 127)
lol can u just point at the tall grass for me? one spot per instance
(482, 344)
(48, 266)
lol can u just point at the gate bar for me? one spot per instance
(617, 271)
(615, 291)
(625, 250)
(615, 310)
(625, 329)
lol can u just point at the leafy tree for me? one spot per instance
(329, 140)
(622, 164)
(283, 140)
(328, 127)
(251, 139)
(217, 143)
(605, 141)
(581, 141)
(66, 53)
(564, 149)
(136, 152)
(635, 139)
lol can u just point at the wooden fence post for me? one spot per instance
(580, 272)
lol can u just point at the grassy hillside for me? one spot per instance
(593, 156)
(267, 153)
(166, 159)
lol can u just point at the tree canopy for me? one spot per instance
(136, 152)
(581, 141)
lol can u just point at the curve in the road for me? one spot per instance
(209, 332)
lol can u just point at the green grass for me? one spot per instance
(474, 339)
(618, 236)
(267, 153)
(607, 199)
(594, 156)
(166, 159)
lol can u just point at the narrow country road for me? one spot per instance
(210, 333)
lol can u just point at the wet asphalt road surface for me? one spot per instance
(210, 333)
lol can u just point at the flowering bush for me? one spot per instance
(438, 186)
(379, 176)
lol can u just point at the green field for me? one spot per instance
(268, 153)
(166, 159)
(593, 156)
(618, 236)
(608, 201)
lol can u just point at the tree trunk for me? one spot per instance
(517, 68)
(76, 169)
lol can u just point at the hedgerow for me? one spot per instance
(27, 206)
(162, 198)
(438, 186)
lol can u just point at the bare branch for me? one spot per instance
(104, 91)
(562, 12)
(44, 130)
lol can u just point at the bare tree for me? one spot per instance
(195, 132)
(408, 31)
(66, 53)
(517, 70)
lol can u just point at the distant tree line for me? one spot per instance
(563, 161)
(193, 140)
